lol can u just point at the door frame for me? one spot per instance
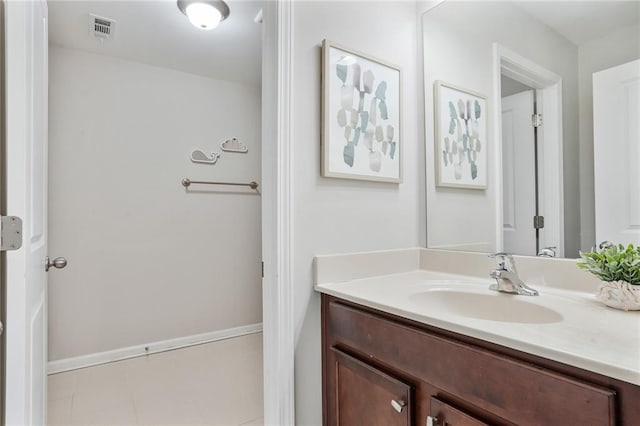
(3, 212)
(548, 87)
(277, 205)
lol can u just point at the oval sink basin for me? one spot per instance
(493, 307)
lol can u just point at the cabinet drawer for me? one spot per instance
(365, 395)
(516, 391)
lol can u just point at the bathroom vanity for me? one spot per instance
(383, 369)
(409, 345)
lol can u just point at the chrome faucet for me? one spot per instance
(506, 276)
(547, 251)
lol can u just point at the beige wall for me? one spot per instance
(147, 261)
(332, 215)
(617, 48)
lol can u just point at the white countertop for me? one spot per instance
(580, 331)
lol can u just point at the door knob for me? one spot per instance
(58, 263)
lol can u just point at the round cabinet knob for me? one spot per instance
(58, 263)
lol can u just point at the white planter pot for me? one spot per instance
(619, 295)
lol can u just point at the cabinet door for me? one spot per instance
(364, 395)
(444, 414)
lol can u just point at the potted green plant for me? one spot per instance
(618, 268)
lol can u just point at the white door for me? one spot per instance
(616, 143)
(26, 103)
(518, 174)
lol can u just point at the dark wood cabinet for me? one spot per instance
(442, 413)
(371, 358)
(368, 396)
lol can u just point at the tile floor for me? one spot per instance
(217, 383)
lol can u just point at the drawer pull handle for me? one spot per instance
(432, 421)
(398, 405)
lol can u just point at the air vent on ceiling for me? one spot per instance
(100, 27)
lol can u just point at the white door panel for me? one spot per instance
(518, 168)
(616, 132)
(27, 86)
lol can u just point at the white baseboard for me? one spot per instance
(67, 364)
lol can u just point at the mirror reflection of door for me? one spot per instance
(616, 131)
(555, 48)
(519, 168)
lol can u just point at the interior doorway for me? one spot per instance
(22, 384)
(542, 190)
(520, 169)
(155, 268)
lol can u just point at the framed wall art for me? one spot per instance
(460, 137)
(361, 116)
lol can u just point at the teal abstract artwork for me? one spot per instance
(461, 123)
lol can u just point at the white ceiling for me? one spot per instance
(155, 32)
(583, 21)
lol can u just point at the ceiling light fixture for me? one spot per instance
(204, 14)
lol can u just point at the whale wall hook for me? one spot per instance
(198, 156)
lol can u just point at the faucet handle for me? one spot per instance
(547, 251)
(605, 245)
(505, 261)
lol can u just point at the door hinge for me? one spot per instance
(262, 269)
(538, 222)
(536, 120)
(10, 233)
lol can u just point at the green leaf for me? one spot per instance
(615, 263)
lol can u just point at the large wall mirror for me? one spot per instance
(539, 124)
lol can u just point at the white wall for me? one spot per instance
(332, 215)
(617, 48)
(466, 217)
(148, 261)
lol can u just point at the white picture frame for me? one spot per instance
(361, 116)
(460, 141)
